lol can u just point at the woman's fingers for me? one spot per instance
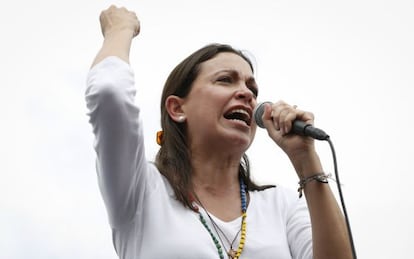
(279, 117)
(116, 19)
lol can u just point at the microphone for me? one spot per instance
(298, 127)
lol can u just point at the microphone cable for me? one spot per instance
(303, 129)
(338, 183)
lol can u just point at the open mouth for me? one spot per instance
(239, 114)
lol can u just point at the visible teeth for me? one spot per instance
(239, 114)
(241, 111)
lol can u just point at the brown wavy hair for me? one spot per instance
(173, 159)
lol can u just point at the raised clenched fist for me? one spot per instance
(116, 19)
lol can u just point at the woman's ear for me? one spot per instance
(173, 105)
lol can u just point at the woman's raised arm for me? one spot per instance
(119, 26)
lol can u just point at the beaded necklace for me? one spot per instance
(231, 253)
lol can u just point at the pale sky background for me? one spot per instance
(349, 62)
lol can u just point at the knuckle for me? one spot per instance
(112, 7)
(310, 115)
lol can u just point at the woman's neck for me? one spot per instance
(217, 187)
(215, 173)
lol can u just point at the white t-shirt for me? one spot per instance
(146, 219)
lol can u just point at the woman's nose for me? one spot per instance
(244, 93)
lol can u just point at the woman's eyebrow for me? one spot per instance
(236, 73)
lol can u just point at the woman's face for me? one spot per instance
(219, 106)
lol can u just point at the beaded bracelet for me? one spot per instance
(321, 177)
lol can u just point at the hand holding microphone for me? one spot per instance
(298, 127)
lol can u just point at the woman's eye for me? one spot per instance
(225, 79)
(255, 91)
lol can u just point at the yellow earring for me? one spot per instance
(160, 135)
